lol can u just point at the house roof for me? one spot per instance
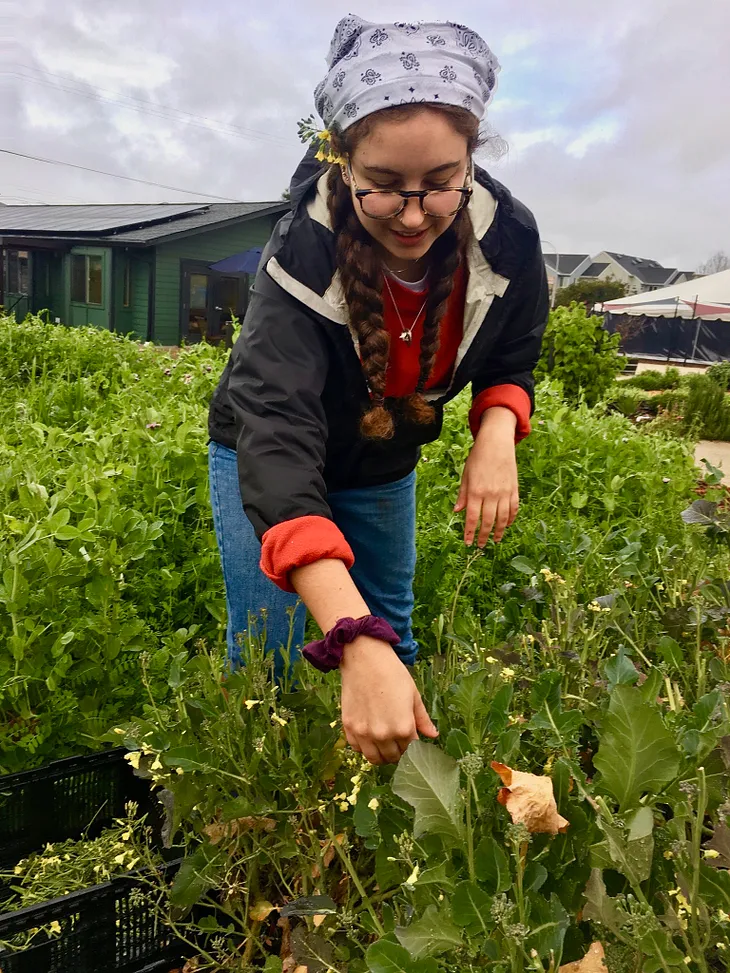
(647, 271)
(123, 223)
(567, 262)
(594, 270)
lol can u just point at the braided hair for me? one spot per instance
(361, 274)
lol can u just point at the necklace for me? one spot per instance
(406, 333)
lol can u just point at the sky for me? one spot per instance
(616, 115)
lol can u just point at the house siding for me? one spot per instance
(208, 247)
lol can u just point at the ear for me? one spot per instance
(345, 175)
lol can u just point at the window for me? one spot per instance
(86, 279)
(18, 277)
(127, 284)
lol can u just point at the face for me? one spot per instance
(422, 152)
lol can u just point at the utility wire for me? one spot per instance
(145, 106)
(114, 175)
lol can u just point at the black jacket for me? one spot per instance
(292, 393)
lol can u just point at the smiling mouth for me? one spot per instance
(401, 233)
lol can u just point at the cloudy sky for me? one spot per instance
(617, 115)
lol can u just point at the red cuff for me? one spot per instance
(509, 397)
(304, 540)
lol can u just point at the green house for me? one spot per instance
(143, 269)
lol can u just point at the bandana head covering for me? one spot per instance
(375, 66)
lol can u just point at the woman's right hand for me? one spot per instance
(382, 711)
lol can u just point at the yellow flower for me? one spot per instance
(157, 765)
(126, 836)
(490, 659)
(507, 673)
(344, 806)
(374, 804)
(18, 870)
(119, 730)
(325, 135)
(250, 703)
(179, 770)
(55, 927)
(133, 758)
(320, 156)
(413, 877)
(711, 853)
(333, 724)
(275, 718)
(119, 859)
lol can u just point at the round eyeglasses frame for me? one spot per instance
(466, 192)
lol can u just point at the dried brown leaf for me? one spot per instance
(594, 961)
(260, 910)
(530, 800)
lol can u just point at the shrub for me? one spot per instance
(631, 400)
(653, 380)
(720, 373)
(578, 352)
(707, 410)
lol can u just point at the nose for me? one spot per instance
(412, 216)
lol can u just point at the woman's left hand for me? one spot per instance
(489, 488)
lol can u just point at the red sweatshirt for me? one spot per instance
(295, 543)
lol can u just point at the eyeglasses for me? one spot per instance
(384, 204)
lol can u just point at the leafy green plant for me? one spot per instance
(707, 408)
(719, 372)
(580, 354)
(653, 380)
(589, 292)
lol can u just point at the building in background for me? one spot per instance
(638, 274)
(143, 269)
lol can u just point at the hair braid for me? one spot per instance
(446, 255)
(360, 273)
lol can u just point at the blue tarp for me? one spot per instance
(246, 262)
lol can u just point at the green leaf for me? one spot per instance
(619, 670)
(471, 909)
(637, 754)
(458, 744)
(186, 758)
(550, 922)
(599, 906)
(535, 876)
(388, 957)
(631, 858)
(432, 934)
(522, 565)
(197, 875)
(498, 717)
(428, 779)
(715, 887)
(491, 866)
(273, 965)
(436, 875)
(671, 652)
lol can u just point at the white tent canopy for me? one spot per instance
(705, 298)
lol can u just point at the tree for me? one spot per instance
(578, 352)
(589, 292)
(714, 264)
(286, 195)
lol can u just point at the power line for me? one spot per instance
(114, 175)
(147, 107)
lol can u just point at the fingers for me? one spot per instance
(424, 724)
(501, 520)
(461, 499)
(514, 507)
(473, 512)
(489, 513)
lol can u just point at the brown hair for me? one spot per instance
(361, 275)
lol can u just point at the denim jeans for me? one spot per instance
(379, 524)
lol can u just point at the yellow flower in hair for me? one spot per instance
(325, 135)
(320, 156)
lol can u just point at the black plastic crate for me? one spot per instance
(104, 929)
(65, 799)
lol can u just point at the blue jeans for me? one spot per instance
(379, 524)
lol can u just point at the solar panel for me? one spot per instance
(90, 219)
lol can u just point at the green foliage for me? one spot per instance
(652, 380)
(589, 292)
(579, 353)
(631, 401)
(720, 372)
(708, 409)
(106, 544)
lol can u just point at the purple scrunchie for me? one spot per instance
(326, 654)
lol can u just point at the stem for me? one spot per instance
(520, 874)
(470, 837)
(356, 881)
(696, 855)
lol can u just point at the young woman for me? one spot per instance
(402, 273)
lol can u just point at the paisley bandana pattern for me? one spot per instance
(373, 66)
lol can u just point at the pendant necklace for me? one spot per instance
(406, 333)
